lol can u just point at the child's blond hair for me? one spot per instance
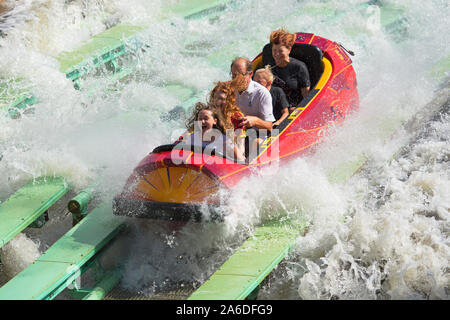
(267, 73)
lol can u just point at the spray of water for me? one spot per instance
(381, 235)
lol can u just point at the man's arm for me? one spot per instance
(284, 114)
(253, 121)
(282, 104)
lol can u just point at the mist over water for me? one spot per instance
(381, 235)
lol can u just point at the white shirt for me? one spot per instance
(221, 143)
(256, 101)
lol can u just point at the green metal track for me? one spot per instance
(15, 95)
(242, 273)
(106, 51)
(98, 50)
(28, 204)
(193, 9)
(65, 260)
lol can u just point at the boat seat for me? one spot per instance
(310, 54)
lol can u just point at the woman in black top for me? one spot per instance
(290, 74)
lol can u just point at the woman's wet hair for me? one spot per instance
(227, 87)
(282, 36)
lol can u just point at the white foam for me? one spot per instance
(18, 253)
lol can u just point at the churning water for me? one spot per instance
(383, 234)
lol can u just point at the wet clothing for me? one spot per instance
(279, 101)
(292, 79)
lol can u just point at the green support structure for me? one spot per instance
(15, 96)
(195, 9)
(242, 273)
(104, 50)
(21, 104)
(28, 204)
(78, 205)
(109, 281)
(58, 267)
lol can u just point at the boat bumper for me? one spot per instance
(166, 211)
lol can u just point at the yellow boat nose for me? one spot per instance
(175, 184)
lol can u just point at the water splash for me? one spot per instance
(17, 254)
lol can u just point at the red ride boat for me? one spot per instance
(176, 185)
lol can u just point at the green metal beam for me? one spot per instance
(103, 287)
(194, 9)
(241, 274)
(78, 205)
(66, 259)
(28, 204)
(98, 50)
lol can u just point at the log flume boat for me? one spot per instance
(181, 183)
